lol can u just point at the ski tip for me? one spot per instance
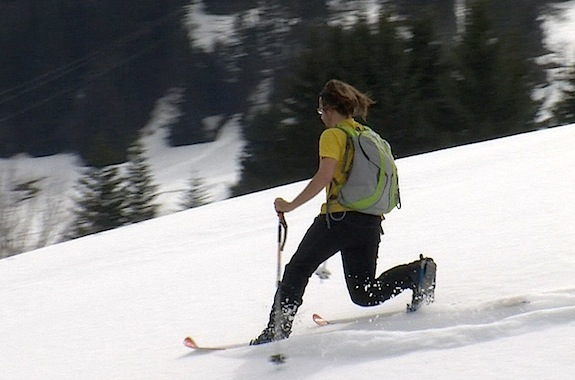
(189, 342)
(318, 319)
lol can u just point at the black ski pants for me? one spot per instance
(357, 236)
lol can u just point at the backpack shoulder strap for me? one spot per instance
(350, 131)
(334, 185)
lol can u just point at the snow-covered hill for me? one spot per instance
(496, 216)
(46, 215)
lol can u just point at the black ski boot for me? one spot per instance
(284, 325)
(424, 286)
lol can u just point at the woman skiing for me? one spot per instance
(356, 235)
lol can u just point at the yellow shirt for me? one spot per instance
(332, 144)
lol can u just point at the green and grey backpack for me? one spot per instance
(371, 184)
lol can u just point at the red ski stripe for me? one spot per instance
(318, 319)
(189, 342)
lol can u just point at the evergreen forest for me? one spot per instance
(84, 76)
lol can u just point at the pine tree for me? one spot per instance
(564, 110)
(99, 205)
(140, 189)
(196, 195)
(424, 108)
(493, 95)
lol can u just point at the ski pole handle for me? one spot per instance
(282, 231)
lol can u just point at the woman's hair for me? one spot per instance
(345, 99)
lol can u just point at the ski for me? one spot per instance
(500, 303)
(190, 343)
(321, 321)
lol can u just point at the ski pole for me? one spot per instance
(282, 237)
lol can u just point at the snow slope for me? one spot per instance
(496, 216)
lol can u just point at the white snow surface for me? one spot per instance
(496, 216)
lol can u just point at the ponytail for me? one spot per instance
(345, 99)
